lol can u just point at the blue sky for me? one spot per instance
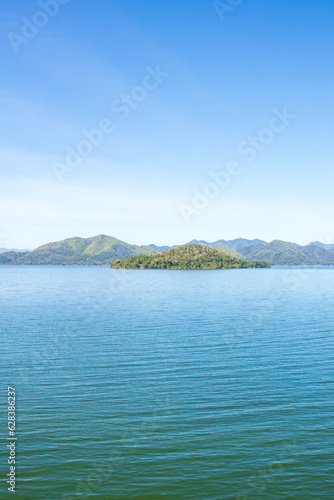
(221, 74)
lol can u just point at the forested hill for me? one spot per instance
(98, 250)
(290, 254)
(191, 257)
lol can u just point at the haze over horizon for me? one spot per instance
(188, 98)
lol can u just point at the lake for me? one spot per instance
(148, 385)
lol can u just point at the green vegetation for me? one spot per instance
(288, 254)
(226, 249)
(218, 245)
(99, 250)
(190, 257)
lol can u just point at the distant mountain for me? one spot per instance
(283, 253)
(218, 245)
(226, 249)
(319, 254)
(326, 246)
(239, 243)
(198, 242)
(162, 248)
(165, 248)
(230, 247)
(98, 250)
(3, 250)
(276, 253)
(187, 257)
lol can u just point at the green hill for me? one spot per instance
(191, 256)
(238, 244)
(226, 249)
(98, 250)
(218, 245)
(283, 253)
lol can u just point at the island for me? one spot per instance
(187, 257)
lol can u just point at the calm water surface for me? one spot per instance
(151, 385)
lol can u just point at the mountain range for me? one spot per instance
(104, 250)
(3, 250)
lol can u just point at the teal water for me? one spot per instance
(148, 385)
